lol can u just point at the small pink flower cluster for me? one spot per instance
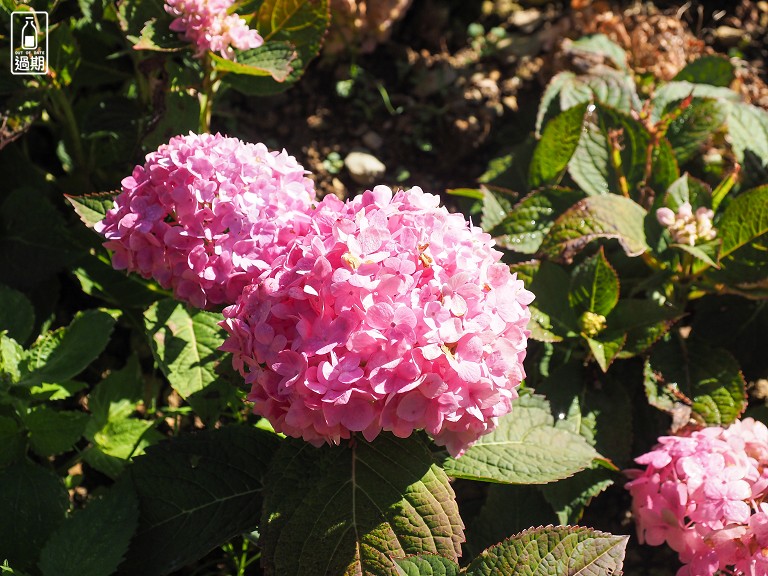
(687, 227)
(703, 494)
(390, 314)
(206, 215)
(208, 25)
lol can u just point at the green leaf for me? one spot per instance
(92, 541)
(116, 396)
(608, 216)
(508, 509)
(687, 189)
(551, 551)
(511, 170)
(748, 132)
(10, 358)
(601, 45)
(704, 378)
(643, 321)
(185, 344)
(37, 502)
(701, 252)
(98, 279)
(52, 431)
(64, 353)
(552, 91)
(590, 165)
(495, 209)
(672, 92)
(353, 509)
(604, 85)
(525, 448)
(571, 496)
(695, 125)
(63, 54)
(530, 219)
(605, 347)
(11, 441)
(714, 70)
(146, 23)
(270, 59)
(551, 316)
(156, 35)
(196, 493)
(92, 208)
(16, 314)
(594, 286)
(745, 220)
(426, 565)
(557, 144)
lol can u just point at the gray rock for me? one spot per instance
(364, 168)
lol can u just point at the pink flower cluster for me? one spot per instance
(704, 495)
(208, 25)
(687, 227)
(206, 215)
(390, 314)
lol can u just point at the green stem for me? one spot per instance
(61, 107)
(210, 86)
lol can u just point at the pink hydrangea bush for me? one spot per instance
(208, 25)
(205, 215)
(704, 494)
(390, 314)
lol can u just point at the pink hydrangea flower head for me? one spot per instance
(207, 214)
(703, 494)
(209, 26)
(390, 314)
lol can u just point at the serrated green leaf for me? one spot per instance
(64, 353)
(37, 501)
(590, 165)
(551, 551)
(11, 354)
(92, 208)
(353, 509)
(695, 125)
(185, 344)
(426, 565)
(157, 35)
(525, 448)
(195, 493)
(551, 92)
(604, 85)
(52, 431)
(745, 220)
(558, 142)
(687, 189)
(672, 92)
(700, 252)
(508, 510)
(748, 133)
(608, 216)
(17, 316)
(530, 219)
(270, 59)
(92, 541)
(569, 497)
(605, 347)
(708, 379)
(714, 70)
(594, 286)
(643, 321)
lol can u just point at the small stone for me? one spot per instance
(364, 168)
(372, 140)
(728, 35)
(526, 18)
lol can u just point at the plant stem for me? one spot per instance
(210, 86)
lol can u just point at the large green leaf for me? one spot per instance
(52, 431)
(605, 347)
(16, 314)
(748, 131)
(270, 59)
(525, 448)
(715, 70)
(353, 509)
(744, 221)
(530, 219)
(694, 126)
(590, 166)
(426, 565)
(594, 286)
(604, 85)
(496, 207)
(195, 493)
(553, 551)
(92, 541)
(707, 380)
(601, 46)
(557, 144)
(672, 92)
(185, 343)
(64, 353)
(36, 501)
(609, 216)
(643, 321)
